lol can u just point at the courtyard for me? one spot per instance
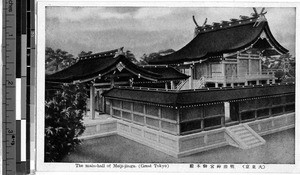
(279, 149)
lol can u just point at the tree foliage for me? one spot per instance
(64, 113)
(283, 65)
(148, 57)
(83, 53)
(129, 55)
(57, 60)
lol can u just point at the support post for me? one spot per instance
(227, 111)
(172, 85)
(249, 66)
(92, 101)
(166, 86)
(131, 82)
(178, 121)
(216, 85)
(257, 82)
(104, 104)
(191, 78)
(260, 68)
(273, 80)
(112, 82)
(110, 108)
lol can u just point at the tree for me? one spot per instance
(83, 53)
(64, 120)
(146, 58)
(129, 55)
(57, 60)
(284, 66)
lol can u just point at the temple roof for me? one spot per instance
(199, 96)
(213, 41)
(99, 65)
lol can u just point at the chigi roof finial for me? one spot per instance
(260, 16)
(119, 52)
(197, 26)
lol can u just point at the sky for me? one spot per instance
(147, 29)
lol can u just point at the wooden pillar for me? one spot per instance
(249, 66)
(172, 85)
(224, 72)
(178, 120)
(257, 82)
(259, 65)
(268, 81)
(112, 82)
(110, 107)
(131, 82)
(103, 102)
(92, 101)
(104, 105)
(226, 110)
(166, 86)
(273, 80)
(216, 85)
(191, 78)
(246, 83)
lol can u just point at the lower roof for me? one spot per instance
(95, 67)
(199, 96)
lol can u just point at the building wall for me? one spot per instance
(265, 107)
(184, 121)
(155, 117)
(216, 69)
(197, 119)
(254, 68)
(243, 67)
(201, 70)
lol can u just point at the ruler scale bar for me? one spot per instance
(9, 93)
(31, 89)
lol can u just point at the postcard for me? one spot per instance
(177, 87)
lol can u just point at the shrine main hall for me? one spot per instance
(210, 93)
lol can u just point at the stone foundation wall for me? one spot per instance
(99, 129)
(273, 124)
(155, 139)
(179, 146)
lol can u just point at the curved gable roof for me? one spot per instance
(91, 68)
(221, 40)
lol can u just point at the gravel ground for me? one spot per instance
(279, 149)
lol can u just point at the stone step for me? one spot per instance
(246, 135)
(242, 132)
(248, 138)
(249, 142)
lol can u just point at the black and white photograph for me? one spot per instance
(155, 86)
